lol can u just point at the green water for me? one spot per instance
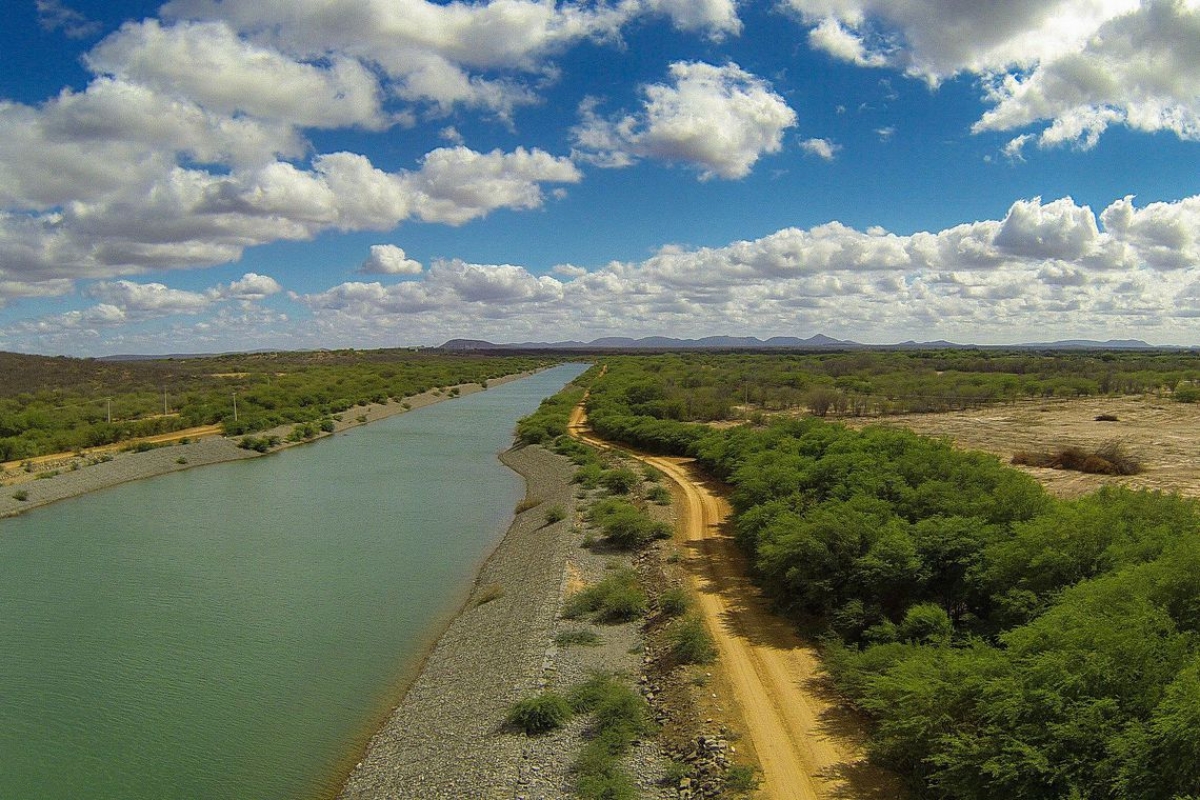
(235, 631)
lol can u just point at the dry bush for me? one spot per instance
(1110, 458)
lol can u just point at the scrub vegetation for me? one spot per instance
(51, 405)
(703, 387)
(1003, 643)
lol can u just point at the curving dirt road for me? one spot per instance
(806, 746)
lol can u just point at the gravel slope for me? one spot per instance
(445, 740)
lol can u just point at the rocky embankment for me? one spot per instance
(447, 740)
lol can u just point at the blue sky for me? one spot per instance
(206, 176)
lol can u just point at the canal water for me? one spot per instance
(235, 631)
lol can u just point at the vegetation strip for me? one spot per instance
(1004, 643)
(52, 405)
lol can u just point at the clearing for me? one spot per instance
(1159, 432)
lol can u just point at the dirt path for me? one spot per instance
(52, 459)
(807, 748)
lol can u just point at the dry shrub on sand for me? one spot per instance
(1110, 458)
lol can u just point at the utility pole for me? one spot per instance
(109, 399)
(235, 406)
(164, 401)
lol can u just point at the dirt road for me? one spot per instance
(806, 747)
(55, 459)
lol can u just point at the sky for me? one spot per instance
(224, 175)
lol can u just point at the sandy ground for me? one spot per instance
(807, 748)
(1158, 431)
(63, 475)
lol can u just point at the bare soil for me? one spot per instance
(1159, 432)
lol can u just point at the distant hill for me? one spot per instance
(784, 342)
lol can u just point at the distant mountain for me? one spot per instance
(786, 342)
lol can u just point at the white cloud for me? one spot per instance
(824, 149)
(388, 259)
(831, 36)
(189, 218)
(718, 18)
(54, 16)
(209, 64)
(149, 299)
(251, 287)
(483, 283)
(1139, 70)
(123, 305)
(433, 52)
(1046, 267)
(1078, 66)
(935, 39)
(718, 119)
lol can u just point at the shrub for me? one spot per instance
(620, 480)
(1107, 418)
(620, 717)
(588, 476)
(526, 504)
(20, 495)
(258, 444)
(181, 460)
(539, 714)
(1187, 394)
(1108, 459)
(577, 636)
(617, 598)
(741, 778)
(659, 495)
(674, 602)
(690, 642)
(555, 514)
(624, 526)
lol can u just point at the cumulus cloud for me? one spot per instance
(1139, 70)
(719, 119)
(122, 305)
(388, 259)
(1055, 267)
(717, 18)
(251, 287)
(824, 149)
(149, 299)
(191, 217)
(481, 55)
(209, 64)
(1079, 66)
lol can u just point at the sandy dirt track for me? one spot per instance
(806, 746)
(55, 459)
